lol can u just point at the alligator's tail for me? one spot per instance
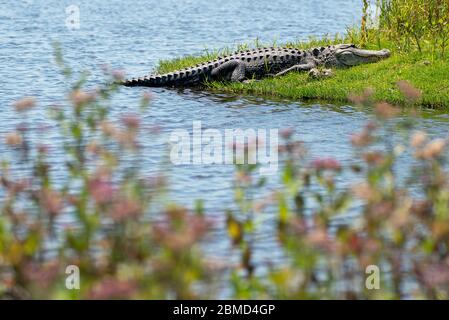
(186, 77)
(148, 81)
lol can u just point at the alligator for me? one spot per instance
(259, 63)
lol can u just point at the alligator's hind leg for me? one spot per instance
(231, 71)
(298, 67)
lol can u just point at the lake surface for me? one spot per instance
(134, 36)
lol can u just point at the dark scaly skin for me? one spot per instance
(260, 63)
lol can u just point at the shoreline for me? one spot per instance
(429, 75)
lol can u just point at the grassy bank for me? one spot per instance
(424, 70)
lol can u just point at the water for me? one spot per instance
(133, 36)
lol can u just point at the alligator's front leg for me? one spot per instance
(230, 71)
(298, 67)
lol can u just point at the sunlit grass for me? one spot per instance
(425, 71)
(432, 79)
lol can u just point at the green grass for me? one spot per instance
(432, 79)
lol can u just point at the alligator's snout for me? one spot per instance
(381, 54)
(351, 55)
(385, 53)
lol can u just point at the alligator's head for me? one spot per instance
(348, 55)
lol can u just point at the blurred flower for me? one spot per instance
(422, 208)
(15, 186)
(363, 98)
(118, 75)
(440, 229)
(79, 97)
(293, 148)
(108, 129)
(180, 230)
(42, 274)
(385, 110)
(13, 139)
(361, 139)
(127, 139)
(363, 191)
(25, 104)
(111, 288)
(286, 133)
(370, 126)
(218, 265)
(132, 122)
(409, 91)
(401, 215)
(22, 127)
(93, 147)
(435, 274)
(101, 189)
(381, 209)
(326, 164)
(156, 181)
(298, 226)
(125, 208)
(320, 238)
(261, 204)
(356, 243)
(365, 137)
(51, 201)
(73, 200)
(432, 150)
(371, 245)
(147, 97)
(243, 177)
(43, 148)
(374, 158)
(418, 139)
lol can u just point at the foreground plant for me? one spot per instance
(110, 239)
(399, 227)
